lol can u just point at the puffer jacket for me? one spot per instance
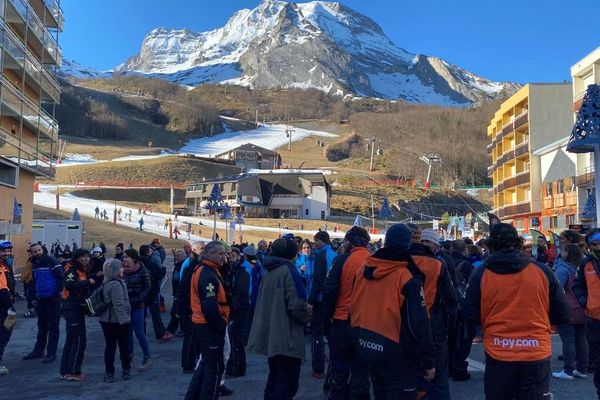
(138, 286)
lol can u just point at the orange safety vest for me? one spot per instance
(353, 263)
(81, 276)
(4, 270)
(515, 314)
(377, 303)
(592, 280)
(432, 269)
(197, 315)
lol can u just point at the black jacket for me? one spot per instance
(511, 262)
(78, 290)
(175, 278)
(138, 286)
(443, 312)
(183, 304)
(463, 270)
(239, 284)
(331, 287)
(6, 295)
(157, 273)
(97, 265)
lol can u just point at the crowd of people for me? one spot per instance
(398, 316)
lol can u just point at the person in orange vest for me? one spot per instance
(7, 295)
(441, 300)
(348, 370)
(77, 289)
(389, 315)
(210, 315)
(516, 300)
(586, 288)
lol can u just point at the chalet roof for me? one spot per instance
(249, 147)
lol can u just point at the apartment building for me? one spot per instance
(249, 156)
(29, 58)
(584, 73)
(533, 118)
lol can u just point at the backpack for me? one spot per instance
(46, 284)
(96, 304)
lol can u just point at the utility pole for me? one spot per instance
(289, 132)
(372, 141)
(372, 212)
(256, 118)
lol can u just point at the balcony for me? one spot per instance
(29, 25)
(25, 155)
(512, 125)
(21, 106)
(520, 178)
(585, 176)
(22, 59)
(511, 210)
(50, 12)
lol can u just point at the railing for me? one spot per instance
(30, 112)
(27, 155)
(38, 28)
(56, 12)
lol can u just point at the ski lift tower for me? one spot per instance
(430, 159)
(289, 131)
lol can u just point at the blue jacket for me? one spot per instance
(303, 259)
(256, 273)
(564, 271)
(317, 272)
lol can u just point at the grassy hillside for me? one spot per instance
(150, 172)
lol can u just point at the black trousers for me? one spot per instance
(154, 308)
(115, 335)
(284, 373)
(517, 380)
(48, 323)
(75, 343)
(439, 388)
(189, 349)
(394, 379)
(236, 365)
(205, 380)
(593, 338)
(317, 324)
(460, 340)
(349, 372)
(4, 333)
(174, 322)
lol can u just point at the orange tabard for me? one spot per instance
(197, 315)
(592, 281)
(432, 269)
(353, 263)
(81, 276)
(514, 315)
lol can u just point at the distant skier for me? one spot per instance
(97, 212)
(141, 222)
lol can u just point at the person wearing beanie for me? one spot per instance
(441, 301)
(239, 283)
(95, 272)
(586, 289)
(389, 315)
(516, 301)
(77, 288)
(348, 370)
(315, 278)
(278, 327)
(115, 319)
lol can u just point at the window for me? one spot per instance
(553, 222)
(548, 189)
(306, 211)
(559, 187)
(570, 219)
(8, 175)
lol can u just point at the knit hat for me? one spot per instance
(111, 268)
(398, 236)
(323, 236)
(430, 235)
(97, 250)
(357, 236)
(284, 248)
(503, 236)
(249, 250)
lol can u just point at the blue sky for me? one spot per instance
(514, 40)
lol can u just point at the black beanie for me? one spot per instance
(323, 236)
(398, 236)
(284, 248)
(357, 236)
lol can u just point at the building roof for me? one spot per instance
(249, 146)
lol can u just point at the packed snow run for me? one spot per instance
(268, 136)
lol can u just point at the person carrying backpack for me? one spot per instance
(48, 281)
(157, 273)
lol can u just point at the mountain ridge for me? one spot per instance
(323, 45)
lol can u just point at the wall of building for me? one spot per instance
(550, 114)
(316, 203)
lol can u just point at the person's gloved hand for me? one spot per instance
(10, 319)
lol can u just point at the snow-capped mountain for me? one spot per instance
(307, 45)
(73, 69)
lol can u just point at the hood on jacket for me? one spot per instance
(417, 249)
(111, 269)
(507, 261)
(272, 262)
(386, 261)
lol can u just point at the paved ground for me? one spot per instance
(34, 380)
